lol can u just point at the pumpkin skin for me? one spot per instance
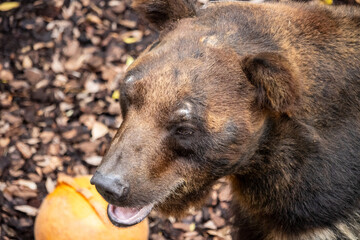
(75, 210)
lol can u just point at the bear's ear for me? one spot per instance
(160, 13)
(275, 80)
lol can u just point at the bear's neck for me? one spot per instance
(289, 186)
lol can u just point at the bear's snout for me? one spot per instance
(111, 187)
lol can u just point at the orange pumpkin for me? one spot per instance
(75, 210)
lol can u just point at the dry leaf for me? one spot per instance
(93, 19)
(70, 134)
(72, 48)
(328, 2)
(26, 183)
(116, 95)
(222, 233)
(6, 75)
(132, 36)
(4, 142)
(40, 45)
(56, 65)
(210, 225)
(93, 160)
(50, 185)
(6, 100)
(225, 194)
(29, 210)
(115, 109)
(92, 86)
(88, 120)
(128, 23)
(99, 130)
(21, 192)
(129, 60)
(34, 75)
(192, 227)
(2, 186)
(183, 226)
(46, 136)
(6, 6)
(24, 149)
(75, 63)
(27, 63)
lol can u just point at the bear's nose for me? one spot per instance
(111, 187)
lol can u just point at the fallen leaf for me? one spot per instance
(130, 40)
(29, 210)
(93, 160)
(191, 235)
(192, 227)
(328, 2)
(219, 221)
(26, 183)
(132, 37)
(70, 134)
(6, 75)
(50, 185)
(129, 60)
(92, 86)
(210, 225)
(75, 62)
(46, 136)
(93, 19)
(40, 45)
(21, 192)
(114, 109)
(2, 186)
(24, 149)
(6, 6)
(54, 149)
(56, 65)
(116, 95)
(128, 23)
(34, 75)
(223, 233)
(6, 100)
(4, 142)
(27, 63)
(183, 226)
(88, 120)
(225, 194)
(99, 130)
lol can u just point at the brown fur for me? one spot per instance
(161, 12)
(276, 80)
(267, 94)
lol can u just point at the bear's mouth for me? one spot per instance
(127, 216)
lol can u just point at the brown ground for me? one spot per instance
(60, 64)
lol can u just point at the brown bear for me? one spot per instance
(266, 94)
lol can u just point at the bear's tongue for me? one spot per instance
(123, 216)
(125, 213)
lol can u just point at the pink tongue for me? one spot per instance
(125, 213)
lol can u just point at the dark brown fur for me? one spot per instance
(267, 94)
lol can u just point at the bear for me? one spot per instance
(266, 95)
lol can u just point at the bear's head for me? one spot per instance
(194, 110)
